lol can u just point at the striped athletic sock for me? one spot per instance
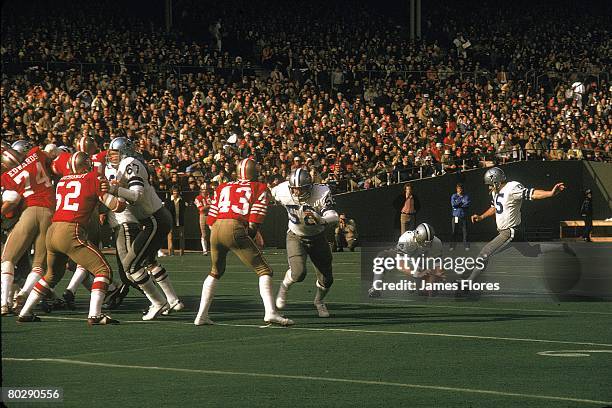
(98, 292)
(34, 276)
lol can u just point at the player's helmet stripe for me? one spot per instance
(428, 237)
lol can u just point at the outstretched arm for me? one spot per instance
(542, 194)
(477, 218)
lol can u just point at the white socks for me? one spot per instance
(79, 276)
(265, 291)
(287, 280)
(33, 277)
(33, 298)
(151, 292)
(321, 293)
(208, 293)
(160, 276)
(6, 279)
(204, 248)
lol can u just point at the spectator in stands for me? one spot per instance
(346, 234)
(460, 205)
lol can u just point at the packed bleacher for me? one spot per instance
(344, 91)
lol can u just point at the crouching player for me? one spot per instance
(420, 243)
(77, 195)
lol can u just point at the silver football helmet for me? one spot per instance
(424, 234)
(407, 244)
(119, 149)
(300, 184)
(22, 146)
(495, 177)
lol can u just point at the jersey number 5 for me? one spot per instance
(65, 204)
(499, 208)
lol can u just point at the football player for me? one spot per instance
(237, 210)
(12, 206)
(507, 198)
(202, 203)
(132, 184)
(88, 145)
(30, 181)
(77, 197)
(310, 208)
(419, 242)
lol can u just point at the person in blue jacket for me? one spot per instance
(460, 203)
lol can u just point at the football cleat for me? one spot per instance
(114, 298)
(281, 297)
(373, 293)
(176, 306)
(203, 320)
(321, 309)
(101, 320)
(278, 319)
(28, 319)
(68, 297)
(154, 311)
(49, 305)
(6, 310)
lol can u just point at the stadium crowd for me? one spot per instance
(352, 97)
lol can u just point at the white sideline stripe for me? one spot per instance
(334, 329)
(571, 353)
(314, 378)
(390, 303)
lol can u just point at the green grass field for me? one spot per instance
(384, 353)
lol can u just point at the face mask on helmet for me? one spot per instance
(300, 184)
(120, 148)
(494, 178)
(424, 235)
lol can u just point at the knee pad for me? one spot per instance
(140, 276)
(158, 273)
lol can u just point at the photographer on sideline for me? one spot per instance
(346, 234)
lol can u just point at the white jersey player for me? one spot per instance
(132, 183)
(507, 199)
(310, 209)
(419, 243)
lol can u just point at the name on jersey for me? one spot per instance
(74, 176)
(28, 160)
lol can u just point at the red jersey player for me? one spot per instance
(88, 145)
(30, 180)
(77, 197)
(235, 215)
(202, 203)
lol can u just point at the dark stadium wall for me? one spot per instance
(377, 214)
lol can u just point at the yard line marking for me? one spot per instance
(390, 302)
(571, 353)
(315, 378)
(341, 330)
